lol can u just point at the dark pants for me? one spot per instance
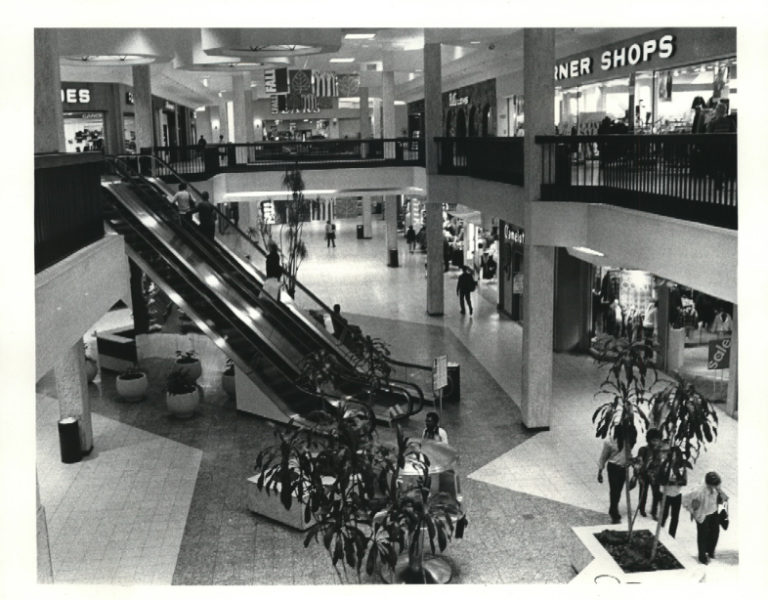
(672, 504)
(616, 477)
(655, 492)
(208, 230)
(462, 297)
(707, 534)
(330, 238)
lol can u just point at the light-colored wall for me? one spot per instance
(74, 294)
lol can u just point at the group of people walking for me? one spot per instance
(205, 210)
(703, 503)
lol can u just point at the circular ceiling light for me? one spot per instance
(267, 51)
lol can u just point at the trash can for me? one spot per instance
(360, 232)
(69, 440)
(393, 259)
(452, 392)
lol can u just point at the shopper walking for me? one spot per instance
(703, 504)
(433, 431)
(464, 288)
(273, 263)
(330, 234)
(207, 216)
(201, 144)
(616, 461)
(649, 462)
(183, 201)
(673, 490)
(410, 237)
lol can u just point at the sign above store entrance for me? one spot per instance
(632, 54)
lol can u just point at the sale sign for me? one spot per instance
(719, 354)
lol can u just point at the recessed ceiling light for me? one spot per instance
(588, 251)
(474, 42)
(360, 36)
(342, 60)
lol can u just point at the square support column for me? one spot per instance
(72, 390)
(142, 104)
(49, 118)
(390, 214)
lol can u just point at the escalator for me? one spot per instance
(223, 295)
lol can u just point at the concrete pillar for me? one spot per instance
(378, 126)
(538, 261)
(367, 228)
(365, 118)
(223, 120)
(238, 105)
(388, 111)
(250, 134)
(72, 390)
(732, 400)
(205, 125)
(44, 563)
(662, 326)
(49, 118)
(390, 213)
(433, 118)
(142, 106)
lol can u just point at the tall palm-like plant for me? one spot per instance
(688, 422)
(627, 384)
(296, 215)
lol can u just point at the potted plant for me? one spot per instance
(189, 360)
(351, 489)
(132, 384)
(181, 393)
(228, 378)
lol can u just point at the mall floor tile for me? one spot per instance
(163, 502)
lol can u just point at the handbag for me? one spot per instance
(723, 516)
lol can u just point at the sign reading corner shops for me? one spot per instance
(662, 49)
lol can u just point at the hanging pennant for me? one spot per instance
(276, 81)
(325, 84)
(300, 81)
(348, 85)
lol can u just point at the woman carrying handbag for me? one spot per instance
(704, 505)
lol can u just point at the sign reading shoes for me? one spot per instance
(75, 96)
(633, 54)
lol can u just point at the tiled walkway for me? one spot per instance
(523, 491)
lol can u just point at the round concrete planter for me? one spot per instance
(132, 388)
(183, 406)
(228, 384)
(195, 368)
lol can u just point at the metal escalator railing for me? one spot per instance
(170, 219)
(408, 375)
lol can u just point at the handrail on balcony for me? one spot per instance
(490, 158)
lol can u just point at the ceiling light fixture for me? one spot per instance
(342, 60)
(588, 251)
(360, 36)
(474, 42)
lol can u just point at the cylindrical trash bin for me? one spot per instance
(452, 392)
(360, 232)
(393, 259)
(69, 440)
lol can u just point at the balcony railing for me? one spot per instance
(276, 156)
(67, 205)
(493, 159)
(689, 177)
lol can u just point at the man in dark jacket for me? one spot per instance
(464, 287)
(273, 263)
(207, 216)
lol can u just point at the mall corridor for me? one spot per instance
(163, 502)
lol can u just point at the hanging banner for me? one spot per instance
(276, 81)
(719, 355)
(325, 103)
(300, 81)
(325, 84)
(348, 85)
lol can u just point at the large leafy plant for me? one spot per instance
(626, 384)
(350, 488)
(296, 214)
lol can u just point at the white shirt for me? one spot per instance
(441, 436)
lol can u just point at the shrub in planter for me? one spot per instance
(132, 384)
(190, 362)
(181, 393)
(228, 378)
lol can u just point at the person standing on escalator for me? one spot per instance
(183, 201)
(274, 269)
(207, 216)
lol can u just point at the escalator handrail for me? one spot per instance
(350, 332)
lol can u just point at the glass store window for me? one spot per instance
(84, 132)
(679, 91)
(129, 133)
(585, 106)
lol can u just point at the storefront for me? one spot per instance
(648, 84)
(468, 111)
(510, 270)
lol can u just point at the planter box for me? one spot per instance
(269, 506)
(116, 348)
(595, 565)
